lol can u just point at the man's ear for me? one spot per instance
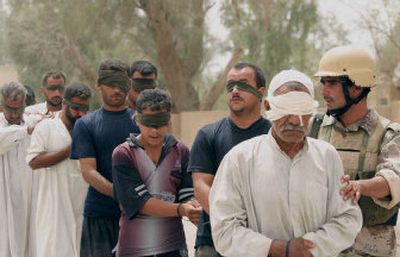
(355, 91)
(262, 90)
(266, 105)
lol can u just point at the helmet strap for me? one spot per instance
(346, 83)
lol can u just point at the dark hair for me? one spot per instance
(113, 64)
(153, 99)
(143, 67)
(30, 95)
(77, 89)
(57, 74)
(260, 78)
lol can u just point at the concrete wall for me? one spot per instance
(186, 124)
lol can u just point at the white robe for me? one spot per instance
(260, 194)
(15, 190)
(40, 108)
(61, 194)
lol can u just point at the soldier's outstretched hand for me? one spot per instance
(351, 189)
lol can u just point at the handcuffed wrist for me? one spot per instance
(287, 251)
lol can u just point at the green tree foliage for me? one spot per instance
(71, 35)
(76, 35)
(382, 22)
(3, 53)
(278, 34)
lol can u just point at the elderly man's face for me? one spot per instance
(13, 110)
(289, 128)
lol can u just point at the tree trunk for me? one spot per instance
(80, 60)
(176, 76)
(216, 90)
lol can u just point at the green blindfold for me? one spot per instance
(115, 78)
(243, 86)
(141, 84)
(154, 120)
(76, 106)
(14, 110)
(55, 87)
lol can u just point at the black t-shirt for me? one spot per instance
(212, 142)
(95, 135)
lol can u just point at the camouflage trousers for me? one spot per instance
(373, 241)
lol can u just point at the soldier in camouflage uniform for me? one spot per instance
(368, 144)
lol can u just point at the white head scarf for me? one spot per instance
(291, 103)
(289, 76)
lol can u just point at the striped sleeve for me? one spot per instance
(128, 188)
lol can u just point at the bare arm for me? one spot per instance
(376, 187)
(94, 178)
(159, 208)
(387, 179)
(44, 160)
(202, 184)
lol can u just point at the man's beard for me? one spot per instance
(71, 118)
(55, 101)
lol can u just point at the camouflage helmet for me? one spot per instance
(349, 61)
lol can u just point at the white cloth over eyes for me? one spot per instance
(291, 103)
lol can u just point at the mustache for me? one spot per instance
(236, 97)
(327, 98)
(116, 94)
(292, 127)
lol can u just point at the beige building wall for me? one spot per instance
(186, 124)
(7, 74)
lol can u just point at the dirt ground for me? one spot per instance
(190, 231)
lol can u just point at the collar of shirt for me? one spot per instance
(170, 141)
(368, 123)
(304, 149)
